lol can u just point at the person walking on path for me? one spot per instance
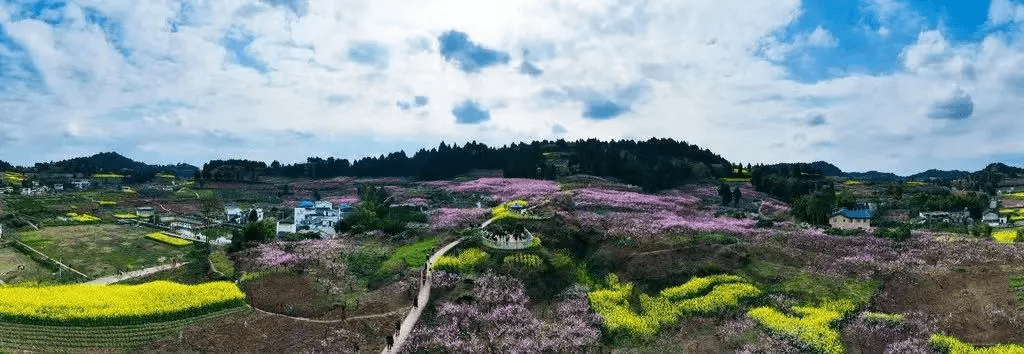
(391, 341)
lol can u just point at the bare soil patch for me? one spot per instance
(975, 305)
(262, 333)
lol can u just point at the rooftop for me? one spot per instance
(856, 214)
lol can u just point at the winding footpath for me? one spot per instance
(134, 274)
(423, 299)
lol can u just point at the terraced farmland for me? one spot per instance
(55, 338)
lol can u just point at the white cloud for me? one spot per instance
(821, 37)
(183, 97)
(776, 50)
(1005, 11)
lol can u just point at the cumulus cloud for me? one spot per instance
(194, 80)
(1005, 11)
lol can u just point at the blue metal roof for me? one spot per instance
(304, 204)
(857, 214)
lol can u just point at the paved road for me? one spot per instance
(134, 274)
(423, 298)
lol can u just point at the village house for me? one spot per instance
(320, 216)
(852, 219)
(993, 219)
(235, 215)
(959, 217)
(144, 212)
(81, 184)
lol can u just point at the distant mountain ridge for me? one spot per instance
(831, 170)
(112, 162)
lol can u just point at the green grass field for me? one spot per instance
(101, 249)
(11, 258)
(414, 254)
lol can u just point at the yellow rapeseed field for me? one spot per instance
(612, 302)
(947, 344)
(104, 305)
(1005, 235)
(168, 239)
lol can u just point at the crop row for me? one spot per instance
(102, 305)
(58, 338)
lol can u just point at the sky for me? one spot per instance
(888, 85)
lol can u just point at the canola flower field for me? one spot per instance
(168, 239)
(113, 305)
(465, 262)
(83, 217)
(951, 345)
(812, 327)
(1006, 235)
(612, 302)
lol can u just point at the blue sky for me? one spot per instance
(894, 85)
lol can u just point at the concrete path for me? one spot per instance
(423, 298)
(134, 274)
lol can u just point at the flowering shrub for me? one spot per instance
(498, 319)
(125, 216)
(502, 189)
(452, 218)
(612, 303)
(465, 262)
(445, 280)
(99, 305)
(947, 344)
(630, 201)
(168, 239)
(812, 328)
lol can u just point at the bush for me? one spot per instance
(896, 234)
(764, 223)
(844, 232)
(525, 262)
(465, 262)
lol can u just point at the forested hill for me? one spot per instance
(4, 166)
(653, 164)
(112, 162)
